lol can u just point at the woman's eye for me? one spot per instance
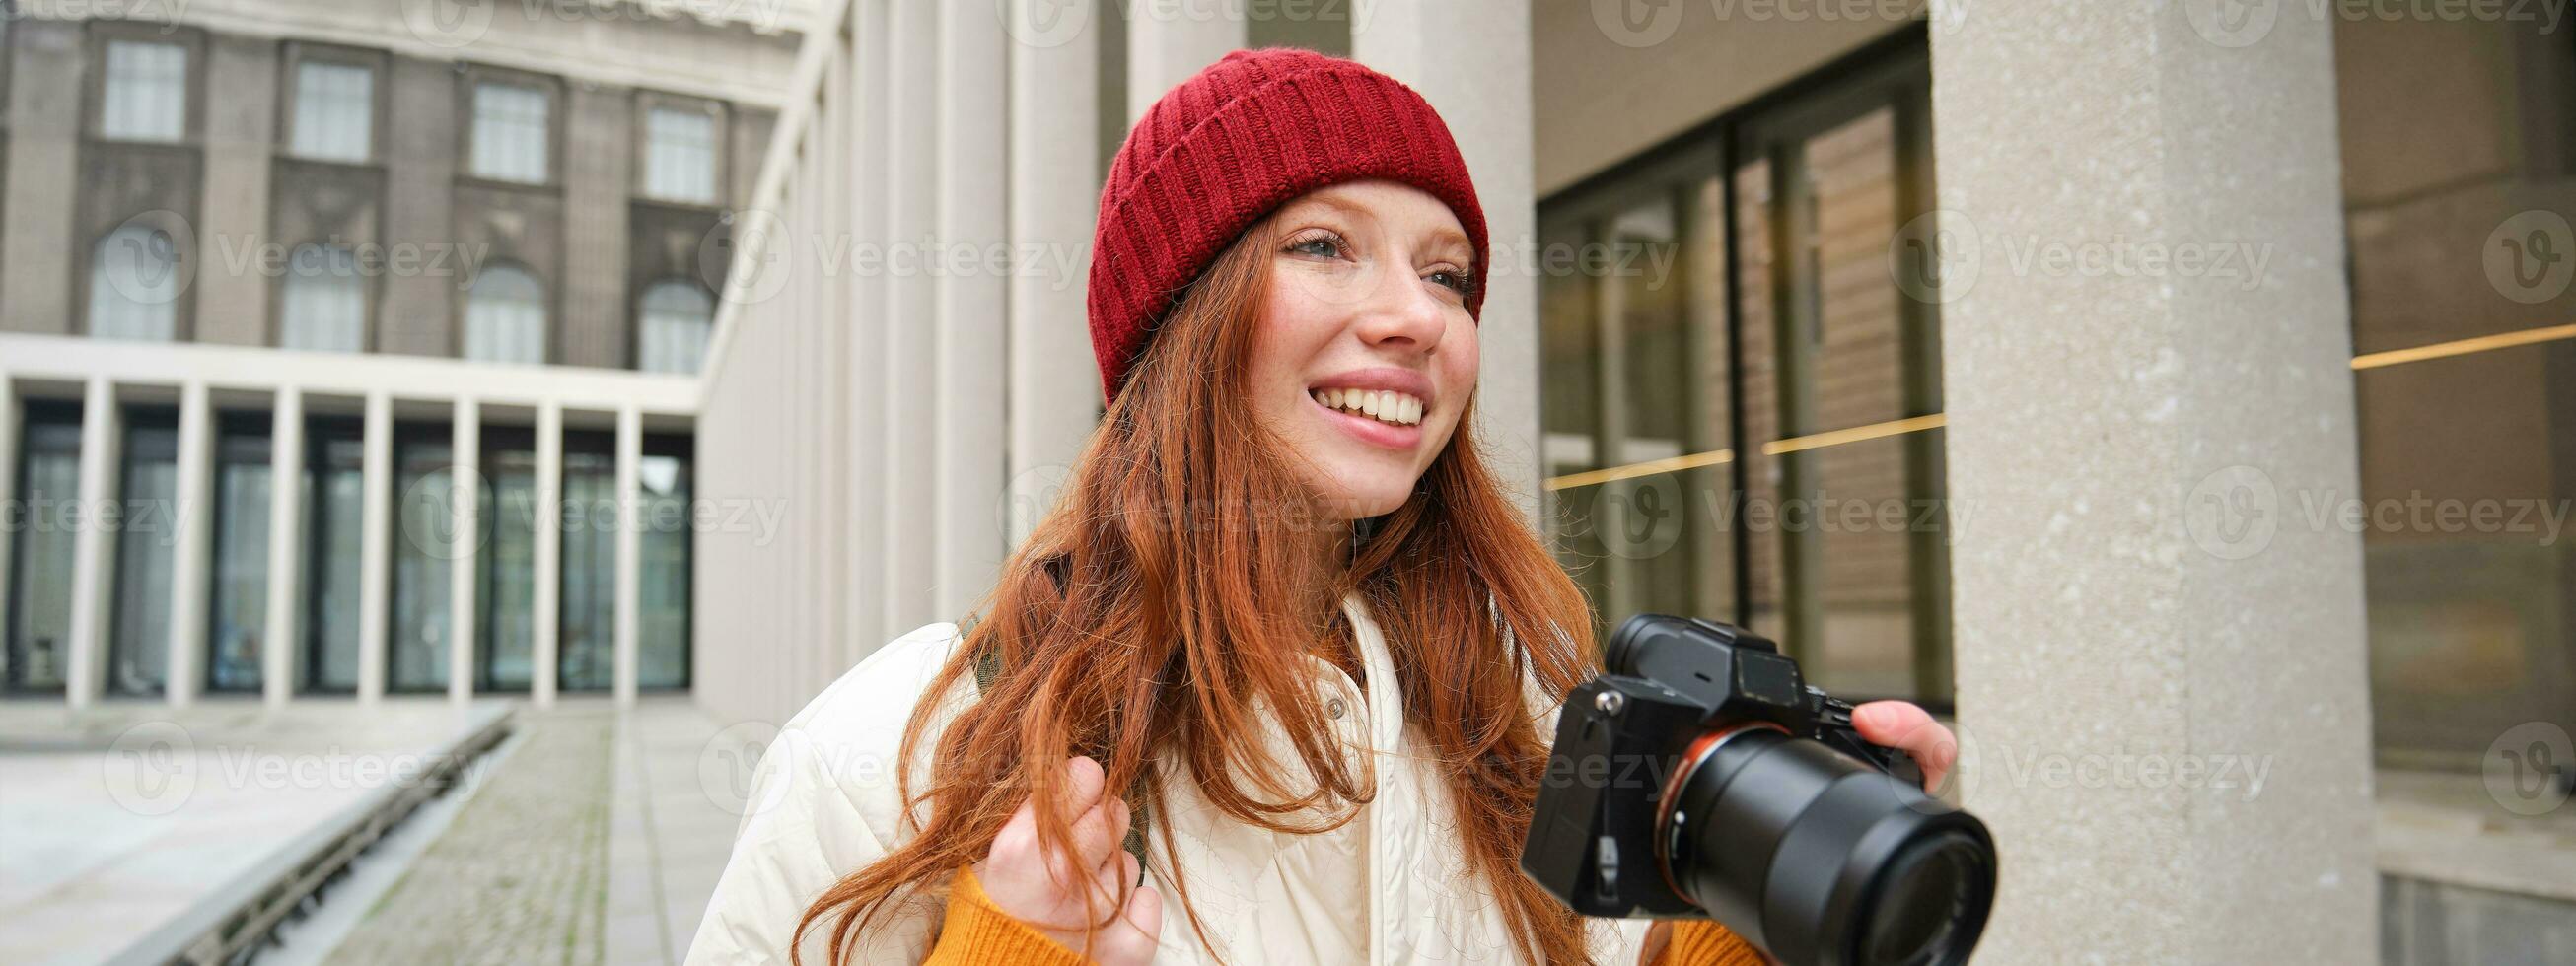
(1456, 281)
(1320, 246)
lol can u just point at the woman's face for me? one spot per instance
(1366, 313)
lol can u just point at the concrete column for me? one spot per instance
(968, 440)
(190, 553)
(630, 452)
(466, 543)
(831, 363)
(2136, 581)
(1452, 51)
(798, 324)
(94, 552)
(548, 600)
(36, 239)
(911, 175)
(11, 415)
(285, 547)
(375, 545)
(864, 364)
(241, 131)
(1055, 390)
(1168, 42)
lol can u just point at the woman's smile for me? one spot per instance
(1381, 406)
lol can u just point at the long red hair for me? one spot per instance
(1179, 523)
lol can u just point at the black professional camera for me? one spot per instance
(1700, 777)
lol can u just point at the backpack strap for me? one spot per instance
(989, 669)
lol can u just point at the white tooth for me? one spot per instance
(1331, 398)
(1380, 402)
(1412, 410)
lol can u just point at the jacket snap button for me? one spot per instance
(1334, 708)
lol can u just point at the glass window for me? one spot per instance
(506, 568)
(44, 531)
(146, 93)
(423, 535)
(677, 318)
(680, 155)
(134, 285)
(505, 317)
(510, 133)
(665, 543)
(2459, 159)
(586, 658)
(238, 615)
(1843, 395)
(138, 656)
(324, 306)
(334, 528)
(1741, 414)
(335, 110)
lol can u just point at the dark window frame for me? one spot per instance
(640, 143)
(682, 447)
(101, 32)
(471, 76)
(407, 433)
(492, 442)
(131, 417)
(29, 412)
(320, 430)
(292, 56)
(228, 424)
(1891, 72)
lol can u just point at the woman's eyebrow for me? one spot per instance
(1444, 238)
(1345, 207)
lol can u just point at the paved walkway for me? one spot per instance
(122, 818)
(595, 841)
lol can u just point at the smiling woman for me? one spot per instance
(1284, 636)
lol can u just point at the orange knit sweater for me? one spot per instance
(978, 933)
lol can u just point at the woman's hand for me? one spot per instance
(1047, 891)
(1902, 726)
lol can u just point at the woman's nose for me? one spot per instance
(1403, 311)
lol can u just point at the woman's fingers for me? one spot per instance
(1134, 940)
(1099, 832)
(1132, 935)
(1902, 726)
(1083, 780)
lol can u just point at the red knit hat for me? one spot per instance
(1225, 148)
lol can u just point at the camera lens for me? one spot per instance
(1819, 858)
(1922, 896)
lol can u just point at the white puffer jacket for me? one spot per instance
(1389, 887)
